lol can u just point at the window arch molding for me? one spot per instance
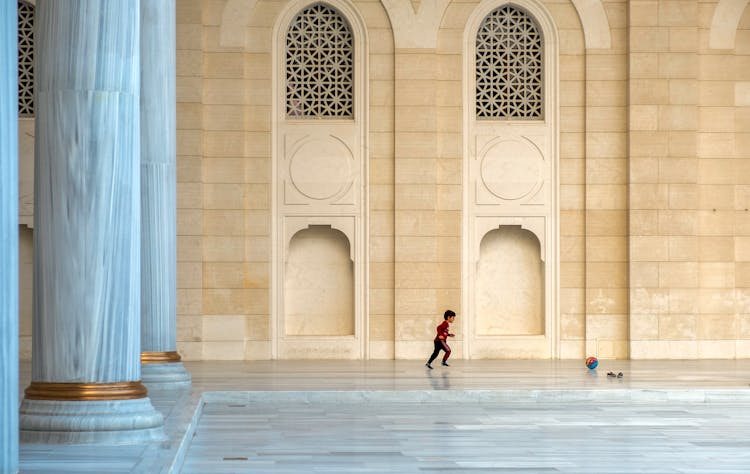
(319, 60)
(509, 66)
(359, 32)
(550, 56)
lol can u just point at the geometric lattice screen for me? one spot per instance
(25, 59)
(319, 65)
(509, 66)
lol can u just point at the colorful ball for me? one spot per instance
(592, 362)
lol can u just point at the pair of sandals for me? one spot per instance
(612, 374)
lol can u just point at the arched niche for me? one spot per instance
(319, 284)
(724, 23)
(509, 297)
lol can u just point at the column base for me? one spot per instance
(91, 422)
(170, 376)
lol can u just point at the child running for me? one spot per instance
(440, 340)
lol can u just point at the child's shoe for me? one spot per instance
(428, 365)
(445, 364)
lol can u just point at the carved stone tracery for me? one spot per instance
(319, 65)
(509, 58)
(25, 59)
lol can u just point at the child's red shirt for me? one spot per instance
(442, 331)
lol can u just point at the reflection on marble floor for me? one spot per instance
(501, 416)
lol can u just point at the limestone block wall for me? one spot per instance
(606, 192)
(25, 233)
(652, 170)
(741, 155)
(428, 165)
(689, 173)
(235, 176)
(224, 64)
(189, 92)
(572, 181)
(427, 269)
(415, 167)
(381, 170)
(25, 290)
(593, 298)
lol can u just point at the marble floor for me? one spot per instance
(475, 416)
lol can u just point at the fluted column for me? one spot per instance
(86, 325)
(8, 238)
(161, 362)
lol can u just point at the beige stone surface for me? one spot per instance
(652, 181)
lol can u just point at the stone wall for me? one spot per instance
(653, 181)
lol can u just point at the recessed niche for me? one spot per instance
(319, 284)
(510, 284)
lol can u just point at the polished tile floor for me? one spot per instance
(434, 437)
(475, 416)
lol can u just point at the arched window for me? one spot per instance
(319, 65)
(25, 59)
(509, 66)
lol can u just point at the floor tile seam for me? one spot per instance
(197, 400)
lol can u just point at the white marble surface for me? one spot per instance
(95, 422)
(158, 193)
(87, 192)
(488, 416)
(331, 436)
(86, 316)
(158, 177)
(533, 416)
(8, 238)
(539, 375)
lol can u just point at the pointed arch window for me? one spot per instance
(319, 65)
(509, 66)
(25, 59)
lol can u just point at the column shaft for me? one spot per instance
(86, 195)
(8, 238)
(158, 196)
(86, 323)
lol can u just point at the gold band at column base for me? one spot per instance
(160, 357)
(86, 391)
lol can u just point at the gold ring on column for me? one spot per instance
(85, 391)
(160, 357)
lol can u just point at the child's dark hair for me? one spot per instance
(448, 314)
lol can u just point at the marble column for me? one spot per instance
(86, 324)
(161, 363)
(8, 238)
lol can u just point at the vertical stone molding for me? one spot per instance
(86, 324)
(161, 363)
(8, 239)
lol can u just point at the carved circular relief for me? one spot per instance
(319, 169)
(511, 169)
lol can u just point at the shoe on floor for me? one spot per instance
(611, 374)
(445, 364)
(619, 375)
(428, 365)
